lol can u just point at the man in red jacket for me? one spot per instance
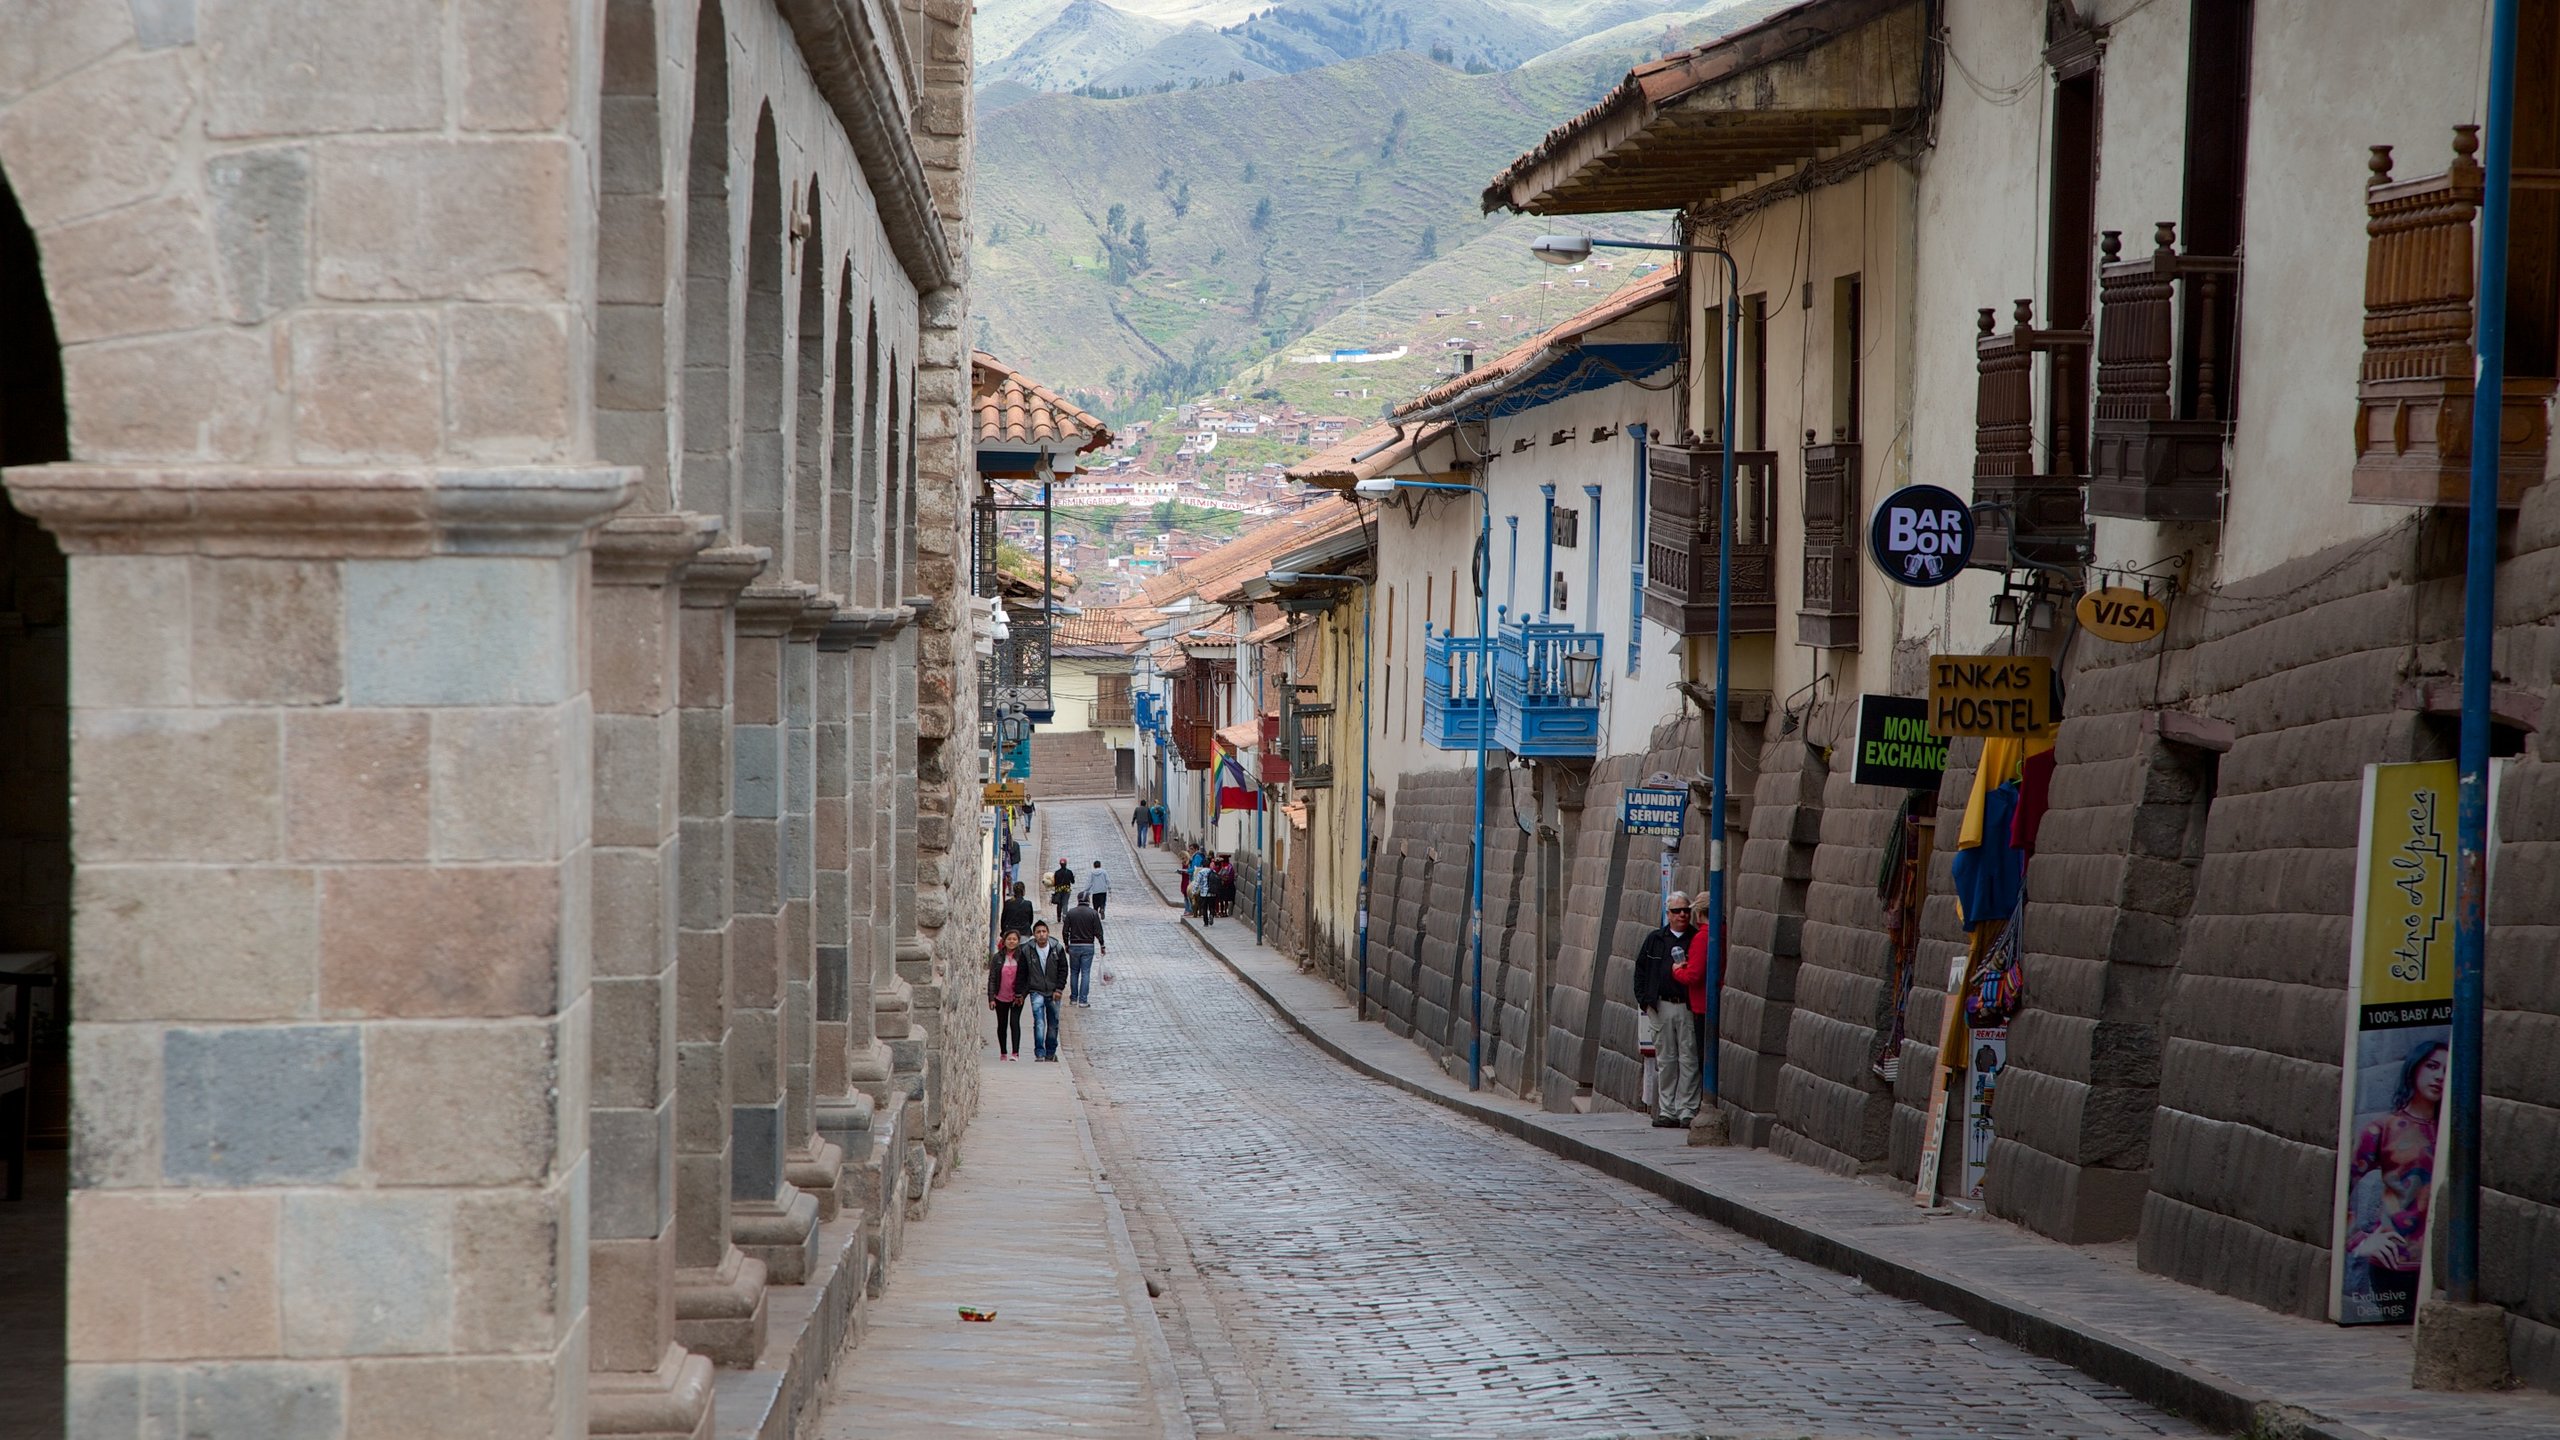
(1691, 971)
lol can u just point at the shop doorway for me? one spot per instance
(35, 854)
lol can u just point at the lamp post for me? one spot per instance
(1573, 250)
(1360, 916)
(1385, 486)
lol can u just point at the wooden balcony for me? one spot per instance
(1680, 538)
(2026, 512)
(2414, 391)
(1828, 618)
(2164, 361)
(1457, 698)
(1536, 713)
(1199, 697)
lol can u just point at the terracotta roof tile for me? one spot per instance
(1626, 300)
(1250, 554)
(1017, 412)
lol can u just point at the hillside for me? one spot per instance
(1249, 214)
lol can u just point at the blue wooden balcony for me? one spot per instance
(1455, 704)
(1536, 713)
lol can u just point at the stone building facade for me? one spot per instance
(484, 496)
(2174, 1077)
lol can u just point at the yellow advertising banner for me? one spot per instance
(1003, 792)
(2399, 1034)
(1993, 696)
(2404, 944)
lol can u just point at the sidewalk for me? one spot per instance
(1027, 1228)
(2223, 1362)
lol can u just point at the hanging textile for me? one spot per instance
(1990, 875)
(2035, 793)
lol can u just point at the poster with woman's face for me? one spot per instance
(2397, 1055)
(2399, 1083)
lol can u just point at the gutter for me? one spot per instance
(842, 42)
(1494, 387)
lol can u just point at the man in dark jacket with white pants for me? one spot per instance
(1676, 1041)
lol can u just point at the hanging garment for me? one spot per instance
(1989, 876)
(2035, 793)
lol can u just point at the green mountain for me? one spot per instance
(1142, 250)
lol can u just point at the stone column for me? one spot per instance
(873, 952)
(640, 1381)
(812, 1162)
(921, 1055)
(720, 1290)
(893, 928)
(330, 739)
(852, 1071)
(772, 1219)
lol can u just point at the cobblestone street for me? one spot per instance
(1338, 1258)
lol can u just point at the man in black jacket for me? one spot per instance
(1043, 954)
(1083, 927)
(1062, 885)
(1018, 913)
(1676, 1038)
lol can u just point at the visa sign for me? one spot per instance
(1921, 536)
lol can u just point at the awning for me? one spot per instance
(1739, 109)
(1628, 336)
(1243, 735)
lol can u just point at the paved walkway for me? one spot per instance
(1026, 1226)
(2226, 1362)
(1338, 1258)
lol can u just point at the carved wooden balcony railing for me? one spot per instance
(1680, 539)
(1199, 698)
(1536, 713)
(2156, 442)
(2414, 392)
(1829, 617)
(1457, 689)
(2036, 516)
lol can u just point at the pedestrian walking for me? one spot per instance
(1155, 823)
(1691, 972)
(1083, 927)
(1203, 891)
(1047, 962)
(1012, 856)
(1062, 884)
(1138, 823)
(1008, 984)
(1017, 914)
(1097, 887)
(1222, 884)
(1665, 1001)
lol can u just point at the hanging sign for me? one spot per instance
(2123, 615)
(1921, 536)
(2398, 1042)
(1994, 696)
(1002, 792)
(1895, 744)
(1654, 809)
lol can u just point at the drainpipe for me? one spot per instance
(1547, 557)
(2479, 626)
(1484, 736)
(1360, 921)
(1261, 803)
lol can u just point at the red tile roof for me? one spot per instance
(1018, 412)
(1626, 300)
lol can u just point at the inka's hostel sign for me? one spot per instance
(2006, 697)
(1895, 744)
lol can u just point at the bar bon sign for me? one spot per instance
(1921, 536)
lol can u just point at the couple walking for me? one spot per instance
(1044, 973)
(1671, 991)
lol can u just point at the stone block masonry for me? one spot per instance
(507, 660)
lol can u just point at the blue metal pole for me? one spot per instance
(1261, 802)
(1707, 1059)
(2479, 624)
(1484, 728)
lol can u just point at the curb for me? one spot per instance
(2146, 1374)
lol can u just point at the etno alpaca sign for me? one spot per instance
(1921, 536)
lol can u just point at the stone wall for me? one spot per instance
(512, 593)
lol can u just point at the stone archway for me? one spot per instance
(35, 848)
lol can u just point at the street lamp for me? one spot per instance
(1380, 487)
(1581, 672)
(1573, 250)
